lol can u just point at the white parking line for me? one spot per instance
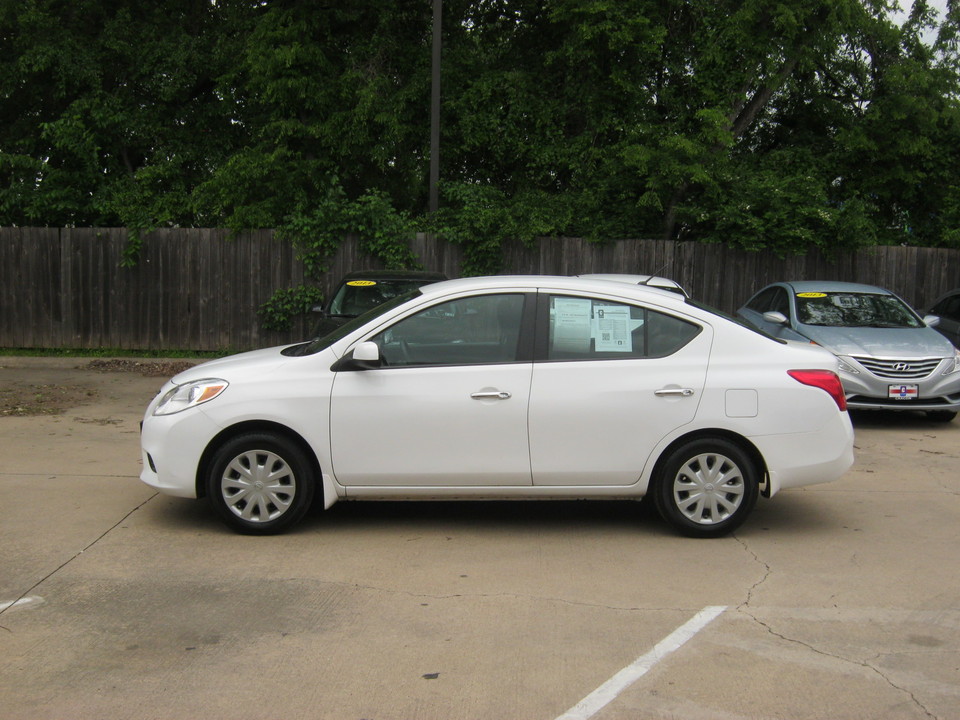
(32, 600)
(607, 692)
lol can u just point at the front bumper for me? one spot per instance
(949, 403)
(867, 391)
(172, 446)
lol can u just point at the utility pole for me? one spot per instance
(435, 110)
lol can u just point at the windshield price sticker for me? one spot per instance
(812, 295)
(903, 392)
(361, 283)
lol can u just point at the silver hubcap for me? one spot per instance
(708, 488)
(258, 486)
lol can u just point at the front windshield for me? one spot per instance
(849, 309)
(325, 341)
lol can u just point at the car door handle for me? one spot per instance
(491, 395)
(668, 392)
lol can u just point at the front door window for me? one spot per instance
(476, 330)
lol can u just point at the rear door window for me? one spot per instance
(581, 328)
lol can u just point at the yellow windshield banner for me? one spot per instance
(811, 295)
(361, 283)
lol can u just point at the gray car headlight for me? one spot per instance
(847, 367)
(190, 394)
(955, 365)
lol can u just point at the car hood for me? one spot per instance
(880, 342)
(233, 367)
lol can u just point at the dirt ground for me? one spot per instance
(22, 399)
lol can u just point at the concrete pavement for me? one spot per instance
(840, 601)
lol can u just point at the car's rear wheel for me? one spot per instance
(943, 416)
(707, 487)
(260, 483)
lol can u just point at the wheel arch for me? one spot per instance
(253, 426)
(656, 476)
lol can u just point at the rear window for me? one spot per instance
(735, 320)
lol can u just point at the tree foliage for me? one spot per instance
(779, 125)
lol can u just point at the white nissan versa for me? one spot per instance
(507, 387)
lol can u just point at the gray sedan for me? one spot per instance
(889, 357)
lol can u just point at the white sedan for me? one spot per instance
(507, 388)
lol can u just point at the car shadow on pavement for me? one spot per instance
(793, 513)
(539, 516)
(554, 517)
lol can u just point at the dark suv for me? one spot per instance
(366, 289)
(947, 308)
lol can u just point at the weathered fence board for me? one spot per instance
(200, 289)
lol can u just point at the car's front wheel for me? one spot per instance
(260, 483)
(707, 487)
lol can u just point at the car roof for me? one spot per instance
(634, 279)
(834, 286)
(950, 293)
(557, 282)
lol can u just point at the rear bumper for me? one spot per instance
(796, 460)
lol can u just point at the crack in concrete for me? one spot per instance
(743, 608)
(767, 572)
(80, 552)
(861, 663)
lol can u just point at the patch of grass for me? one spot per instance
(18, 400)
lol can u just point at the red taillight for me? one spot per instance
(825, 380)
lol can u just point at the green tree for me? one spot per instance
(325, 93)
(109, 113)
(776, 125)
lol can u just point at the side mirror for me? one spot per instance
(318, 309)
(367, 352)
(931, 320)
(776, 317)
(365, 356)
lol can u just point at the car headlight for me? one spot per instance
(190, 395)
(847, 367)
(955, 365)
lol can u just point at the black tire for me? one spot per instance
(260, 483)
(941, 416)
(707, 487)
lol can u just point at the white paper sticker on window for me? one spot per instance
(571, 324)
(612, 332)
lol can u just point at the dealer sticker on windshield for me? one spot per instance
(361, 283)
(903, 392)
(811, 295)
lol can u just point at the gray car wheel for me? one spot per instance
(707, 487)
(260, 483)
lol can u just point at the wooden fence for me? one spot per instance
(198, 289)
